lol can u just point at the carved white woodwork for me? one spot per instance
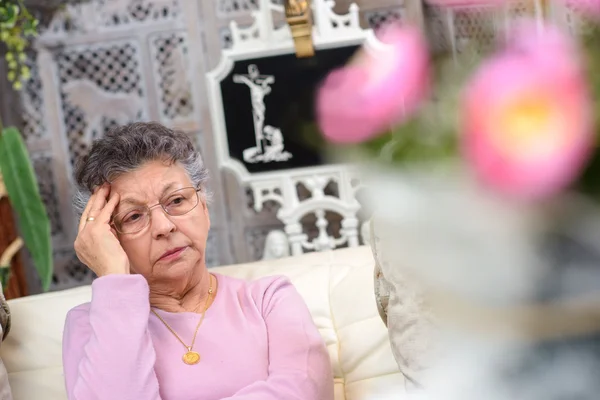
(365, 232)
(262, 39)
(229, 8)
(172, 72)
(282, 188)
(101, 63)
(451, 28)
(97, 104)
(276, 245)
(331, 25)
(106, 16)
(330, 29)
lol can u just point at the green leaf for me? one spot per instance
(4, 276)
(8, 19)
(24, 196)
(30, 27)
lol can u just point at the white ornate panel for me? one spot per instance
(100, 86)
(451, 29)
(108, 15)
(42, 166)
(232, 8)
(103, 63)
(316, 206)
(32, 103)
(124, 13)
(171, 69)
(302, 194)
(377, 18)
(71, 272)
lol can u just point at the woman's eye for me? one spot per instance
(176, 201)
(131, 218)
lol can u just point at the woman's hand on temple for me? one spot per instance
(96, 244)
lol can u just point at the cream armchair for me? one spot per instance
(337, 287)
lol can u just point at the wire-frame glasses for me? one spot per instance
(176, 203)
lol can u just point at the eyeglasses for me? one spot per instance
(176, 203)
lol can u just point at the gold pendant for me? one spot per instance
(191, 358)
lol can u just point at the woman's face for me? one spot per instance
(170, 247)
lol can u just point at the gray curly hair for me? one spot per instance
(126, 148)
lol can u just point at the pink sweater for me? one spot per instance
(257, 342)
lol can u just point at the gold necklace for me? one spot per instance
(190, 357)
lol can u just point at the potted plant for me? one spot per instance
(17, 178)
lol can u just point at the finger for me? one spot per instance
(109, 208)
(99, 201)
(86, 211)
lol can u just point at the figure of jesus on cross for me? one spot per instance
(259, 86)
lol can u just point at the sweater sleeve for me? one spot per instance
(107, 349)
(299, 364)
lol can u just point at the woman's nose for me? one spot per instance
(161, 223)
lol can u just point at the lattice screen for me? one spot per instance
(229, 8)
(100, 87)
(436, 22)
(116, 13)
(225, 37)
(109, 56)
(448, 28)
(42, 165)
(474, 23)
(32, 101)
(377, 18)
(170, 52)
(72, 272)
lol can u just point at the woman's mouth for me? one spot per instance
(172, 254)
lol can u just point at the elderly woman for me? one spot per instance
(160, 325)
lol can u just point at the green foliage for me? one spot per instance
(25, 199)
(431, 133)
(4, 276)
(588, 182)
(17, 26)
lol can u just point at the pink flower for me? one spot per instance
(466, 4)
(585, 7)
(382, 87)
(529, 38)
(527, 117)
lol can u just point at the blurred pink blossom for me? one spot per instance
(590, 8)
(528, 37)
(527, 116)
(382, 87)
(466, 4)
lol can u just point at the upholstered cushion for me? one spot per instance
(337, 287)
(402, 308)
(5, 321)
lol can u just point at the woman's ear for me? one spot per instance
(205, 210)
(204, 203)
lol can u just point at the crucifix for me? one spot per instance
(259, 86)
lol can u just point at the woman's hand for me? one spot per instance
(96, 244)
